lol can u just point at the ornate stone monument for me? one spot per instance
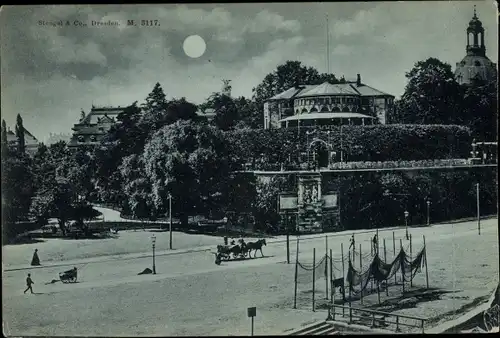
(315, 210)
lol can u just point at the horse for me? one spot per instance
(235, 250)
(256, 246)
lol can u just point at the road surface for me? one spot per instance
(191, 295)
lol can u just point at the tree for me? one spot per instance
(266, 209)
(249, 114)
(154, 110)
(123, 139)
(188, 161)
(180, 109)
(21, 145)
(432, 96)
(137, 187)
(17, 187)
(5, 145)
(226, 111)
(54, 201)
(156, 100)
(286, 76)
(480, 109)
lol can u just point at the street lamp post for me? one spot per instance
(153, 242)
(428, 212)
(225, 223)
(170, 220)
(406, 224)
(341, 144)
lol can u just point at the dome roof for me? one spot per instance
(475, 22)
(328, 89)
(473, 66)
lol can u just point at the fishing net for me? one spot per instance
(307, 272)
(370, 269)
(379, 271)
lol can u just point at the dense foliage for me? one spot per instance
(433, 96)
(162, 148)
(272, 147)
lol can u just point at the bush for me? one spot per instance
(269, 148)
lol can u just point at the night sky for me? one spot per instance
(50, 73)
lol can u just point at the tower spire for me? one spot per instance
(475, 16)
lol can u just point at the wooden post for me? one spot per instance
(350, 293)
(411, 259)
(402, 265)
(314, 277)
(377, 242)
(478, 210)
(377, 281)
(426, 270)
(360, 268)
(287, 239)
(332, 290)
(326, 267)
(296, 273)
(394, 243)
(378, 291)
(353, 251)
(343, 276)
(386, 281)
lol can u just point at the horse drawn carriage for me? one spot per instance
(238, 251)
(69, 276)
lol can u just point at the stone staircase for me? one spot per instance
(317, 329)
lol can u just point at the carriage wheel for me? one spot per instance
(65, 281)
(72, 280)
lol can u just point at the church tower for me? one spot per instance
(475, 65)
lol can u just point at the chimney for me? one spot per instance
(358, 80)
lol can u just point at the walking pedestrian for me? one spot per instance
(352, 242)
(29, 282)
(375, 243)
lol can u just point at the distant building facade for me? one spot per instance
(30, 141)
(208, 114)
(475, 65)
(93, 127)
(327, 104)
(58, 137)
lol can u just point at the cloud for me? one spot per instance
(266, 20)
(363, 21)
(66, 51)
(341, 49)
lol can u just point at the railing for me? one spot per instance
(437, 163)
(376, 317)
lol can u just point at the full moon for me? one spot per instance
(194, 46)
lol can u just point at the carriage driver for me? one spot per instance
(71, 271)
